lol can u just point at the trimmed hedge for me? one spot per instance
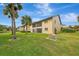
(67, 30)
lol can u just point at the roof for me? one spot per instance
(47, 19)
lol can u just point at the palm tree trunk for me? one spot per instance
(26, 28)
(23, 28)
(14, 29)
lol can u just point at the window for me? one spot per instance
(39, 24)
(33, 25)
(46, 29)
(39, 30)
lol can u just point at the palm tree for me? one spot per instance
(26, 21)
(11, 10)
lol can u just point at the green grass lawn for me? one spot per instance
(33, 44)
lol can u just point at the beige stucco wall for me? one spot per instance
(57, 23)
(51, 25)
(48, 25)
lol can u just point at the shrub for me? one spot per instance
(25, 31)
(68, 30)
(28, 31)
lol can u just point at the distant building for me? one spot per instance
(49, 25)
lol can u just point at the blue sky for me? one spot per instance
(67, 11)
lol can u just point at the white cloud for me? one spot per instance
(64, 7)
(43, 9)
(70, 17)
(36, 19)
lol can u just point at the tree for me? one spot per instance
(11, 10)
(3, 28)
(78, 18)
(26, 21)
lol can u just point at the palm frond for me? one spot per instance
(26, 20)
(17, 15)
(19, 6)
(5, 11)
